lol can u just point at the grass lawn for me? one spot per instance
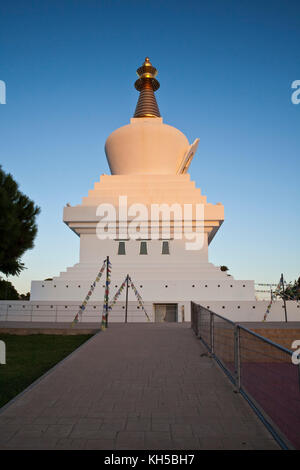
(28, 357)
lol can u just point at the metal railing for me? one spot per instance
(261, 370)
(65, 312)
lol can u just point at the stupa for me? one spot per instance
(149, 162)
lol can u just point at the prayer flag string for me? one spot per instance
(271, 301)
(117, 294)
(87, 297)
(139, 298)
(106, 297)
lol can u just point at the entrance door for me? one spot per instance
(160, 313)
(165, 313)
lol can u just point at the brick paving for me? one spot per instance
(134, 386)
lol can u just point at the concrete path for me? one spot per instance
(134, 386)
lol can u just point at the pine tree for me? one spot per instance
(8, 291)
(17, 225)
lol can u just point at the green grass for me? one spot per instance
(28, 357)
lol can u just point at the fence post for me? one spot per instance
(6, 312)
(212, 335)
(198, 313)
(126, 300)
(194, 313)
(193, 319)
(237, 357)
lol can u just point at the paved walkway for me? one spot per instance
(134, 386)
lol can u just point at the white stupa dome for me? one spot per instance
(147, 145)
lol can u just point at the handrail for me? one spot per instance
(216, 314)
(266, 340)
(263, 338)
(223, 318)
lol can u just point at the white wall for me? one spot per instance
(151, 290)
(93, 249)
(238, 311)
(66, 311)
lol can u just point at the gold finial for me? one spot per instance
(147, 84)
(147, 74)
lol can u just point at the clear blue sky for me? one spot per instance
(225, 69)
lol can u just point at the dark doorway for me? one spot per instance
(166, 312)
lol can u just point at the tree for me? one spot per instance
(224, 268)
(17, 225)
(7, 291)
(291, 291)
(25, 296)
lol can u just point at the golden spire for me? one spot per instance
(146, 84)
